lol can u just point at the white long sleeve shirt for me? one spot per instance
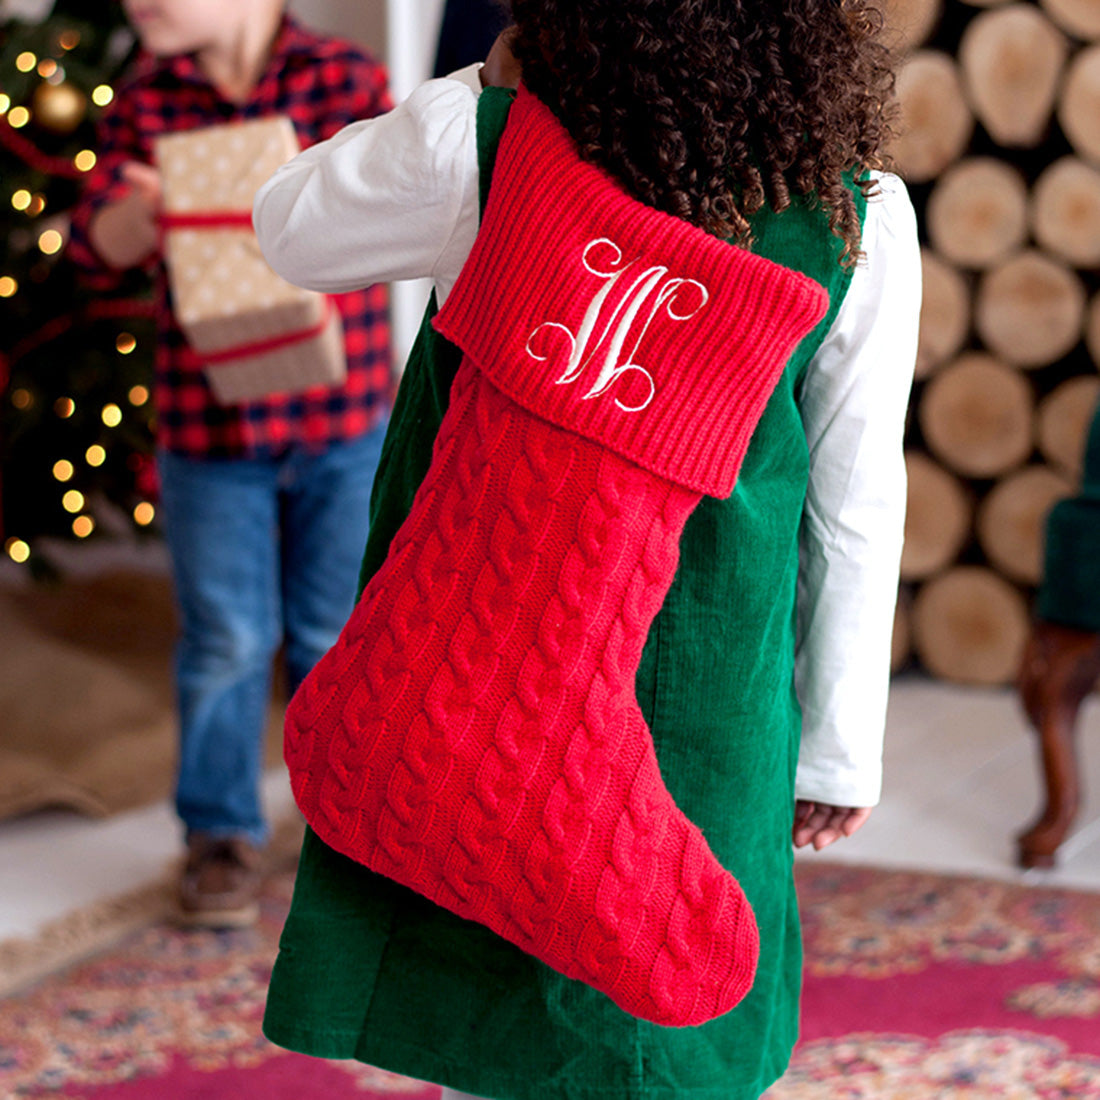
(396, 197)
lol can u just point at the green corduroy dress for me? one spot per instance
(370, 970)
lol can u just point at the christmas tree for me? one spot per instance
(75, 366)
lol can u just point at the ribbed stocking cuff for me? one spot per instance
(620, 322)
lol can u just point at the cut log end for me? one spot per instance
(1065, 211)
(1064, 418)
(944, 313)
(970, 626)
(1079, 104)
(935, 121)
(1092, 330)
(1029, 310)
(977, 212)
(977, 416)
(1012, 517)
(1080, 18)
(901, 641)
(937, 518)
(1012, 61)
(908, 23)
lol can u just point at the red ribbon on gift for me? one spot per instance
(274, 343)
(208, 219)
(241, 219)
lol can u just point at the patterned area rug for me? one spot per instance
(917, 987)
(927, 986)
(169, 1014)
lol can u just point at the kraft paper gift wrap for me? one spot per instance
(255, 333)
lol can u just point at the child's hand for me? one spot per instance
(144, 181)
(125, 232)
(819, 824)
(501, 69)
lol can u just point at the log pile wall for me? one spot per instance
(999, 144)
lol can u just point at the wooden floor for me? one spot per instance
(962, 779)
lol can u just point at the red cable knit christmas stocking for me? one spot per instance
(474, 733)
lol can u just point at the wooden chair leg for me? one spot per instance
(1038, 844)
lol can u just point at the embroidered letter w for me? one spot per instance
(619, 314)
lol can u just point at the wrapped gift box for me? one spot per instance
(255, 333)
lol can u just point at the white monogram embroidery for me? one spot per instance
(652, 288)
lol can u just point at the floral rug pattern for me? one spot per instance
(975, 1065)
(875, 924)
(918, 986)
(164, 1003)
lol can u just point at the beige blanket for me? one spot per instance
(86, 704)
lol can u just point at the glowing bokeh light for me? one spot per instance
(50, 242)
(17, 550)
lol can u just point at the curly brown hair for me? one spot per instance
(708, 109)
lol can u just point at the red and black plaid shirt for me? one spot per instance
(321, 84)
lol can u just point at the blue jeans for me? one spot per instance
(264, 552)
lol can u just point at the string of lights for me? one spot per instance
(75, 367)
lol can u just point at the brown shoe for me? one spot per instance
(220, 882)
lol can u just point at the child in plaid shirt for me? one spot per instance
(265, 504)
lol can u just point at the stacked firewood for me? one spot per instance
(999, 143)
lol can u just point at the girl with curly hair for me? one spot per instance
(624, 636)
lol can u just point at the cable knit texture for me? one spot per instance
(474, 732)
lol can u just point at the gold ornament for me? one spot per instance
(59, 108)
